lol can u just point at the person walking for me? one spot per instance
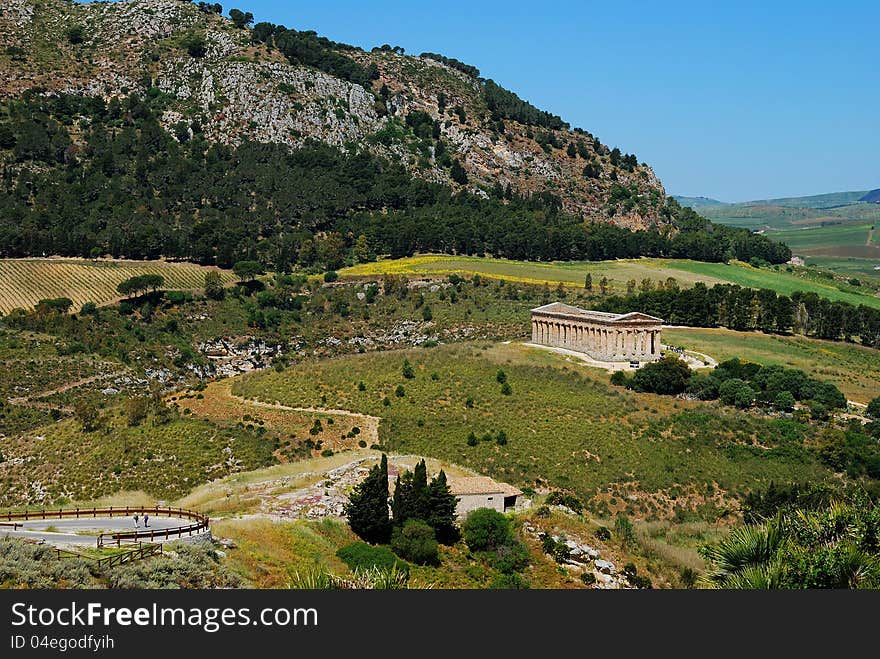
(135, 519)
(146, 520)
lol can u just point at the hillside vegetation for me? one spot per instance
(233, 82)
(559, 425)
(201, 138)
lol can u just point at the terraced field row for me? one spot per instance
(24, 282)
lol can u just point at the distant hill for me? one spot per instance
(698, 202)
(819, 201)
(830, 200)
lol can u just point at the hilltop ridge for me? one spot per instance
(271, 84)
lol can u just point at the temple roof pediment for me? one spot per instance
(571, 312)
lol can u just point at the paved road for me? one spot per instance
(84, 531)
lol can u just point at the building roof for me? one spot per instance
(561, 309)
(481, 485)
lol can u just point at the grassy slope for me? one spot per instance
(23, 282)
(618, 272)
(164, 461)
(854, 369)
(565, 424)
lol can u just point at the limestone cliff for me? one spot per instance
(238, 89)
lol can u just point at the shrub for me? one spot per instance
(588, 578)
(511, 557)
(557, 498)
(330, 276)
(327, 452)
(361, 556)
(624, 530)
(486, 529)
(408, 370)
(505, 389)
(194, 567)
(501, 438)
(415, 541)
(472, 439)
(602, 533)
(469, 402)
(501, 377)
(542, 511)
(509, 581)
(619, 378)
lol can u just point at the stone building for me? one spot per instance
(474, 492)
(603, 336)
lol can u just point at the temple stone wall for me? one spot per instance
(603, 336)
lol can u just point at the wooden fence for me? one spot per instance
(200, 523)
(143, 551)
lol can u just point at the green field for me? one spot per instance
(781, 281)
(809, 240)
(619, 272)
(565, 425)
(854, 369)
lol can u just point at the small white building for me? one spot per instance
(474, 492)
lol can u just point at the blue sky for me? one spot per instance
(733, 100)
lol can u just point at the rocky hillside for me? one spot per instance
(436, 116)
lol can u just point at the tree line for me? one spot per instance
(738, 384)
(132, 189)
(746, 309)
(309, 49)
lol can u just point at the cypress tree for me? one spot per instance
(441, 503)
(411, 496)
(367, 507)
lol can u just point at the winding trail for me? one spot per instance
(369, 425)
(31, 400)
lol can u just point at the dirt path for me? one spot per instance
(30, 401)
(369, 425)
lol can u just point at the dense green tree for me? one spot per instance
(784, 401)
(367, 506)
(247, 270)
(873, 409)
(241, 19)
(411, 499)
(441, 505)
(486, 529)
(669, 375)
(214, 285)
(414, 541)
(458, 174)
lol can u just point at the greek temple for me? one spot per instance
(601, 335)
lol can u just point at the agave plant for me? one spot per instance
(374, 578)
